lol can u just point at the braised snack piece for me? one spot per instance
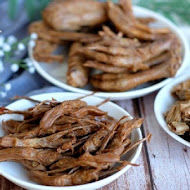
(129, 81)
(178, 116)
(131, 58)
(65, 107)
(77, 74)
(120, 61)
(68, 143)
(72, 15)
(58, 37)
(43, 52)
(145, 53)
(126, 5)
(125, 45)
(105, 67)
(43, 156)
(182, 90)
(123, 19)
(158, 59)
(109, 38)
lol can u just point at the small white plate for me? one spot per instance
(16, 173)
(56, 73)
(163, 102)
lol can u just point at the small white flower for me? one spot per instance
(7, 86)
(34, 36)
(1, 53)
(26, 59)
(3, 94)
(11, 39)
(14, 67)
(2, 40)
(28, 62)
(32, 43)
(6, 47)
(21, 47)
(1, 66)
(31, 70)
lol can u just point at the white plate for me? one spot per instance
(163, 103)
(16, 173)
(56, 73)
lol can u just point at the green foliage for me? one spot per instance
(12, 8)
(175, 10)
(33, 8)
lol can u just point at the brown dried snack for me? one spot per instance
(77, 74)
(46, 33)
(127, 24)
(105, 67)
(72, 142)
(129, 81)
(73, 14)
(43, 52)
(125, 46)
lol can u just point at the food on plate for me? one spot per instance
(132, 59)
(67, 143)
(112, 41)
(123, 82)
(103, 67)
(43, 52)
(77, 74)
(46, 33)
(72, 15)
(178, 116)
(124, 20)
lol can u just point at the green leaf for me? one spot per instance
(175, 10)
(30, 8)
(12, 8)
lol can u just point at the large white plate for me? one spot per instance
(163, 102)
(56, 73)
(18, 175)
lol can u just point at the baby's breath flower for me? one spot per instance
(34, 36)
(28, 62)
(1, 66)
(21, 46)
(31, 70)
(11, 39)
(2, 40)
(1, 53)
(14, 67)
(7, 86)
(6, 47)
(3, 94)
(32, 43)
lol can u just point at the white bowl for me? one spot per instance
(163, 103)
(16, 173)
(56, 73)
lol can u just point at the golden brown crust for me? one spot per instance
(129, 81)
(43, 52)
(71, 15)
(77, 74)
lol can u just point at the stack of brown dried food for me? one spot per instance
(178, 116)
(136, 55)
(67, 143)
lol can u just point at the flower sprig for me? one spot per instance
(11, 48)
(7, 87)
